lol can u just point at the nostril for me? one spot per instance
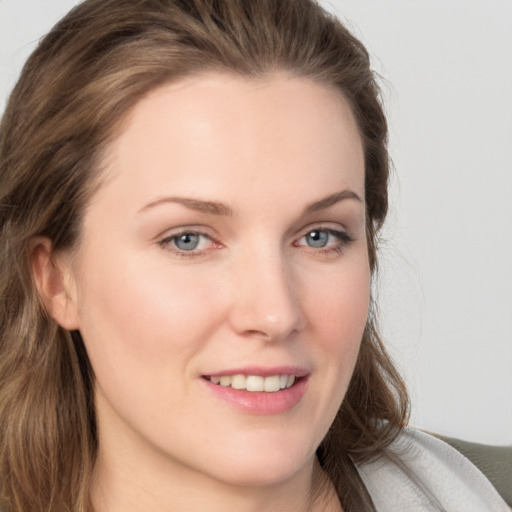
(270, 334)
(256, 333)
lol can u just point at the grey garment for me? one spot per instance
(424, 474)
(495, 462)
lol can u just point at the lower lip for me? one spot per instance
(261, 402)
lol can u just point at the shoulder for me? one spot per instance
(421, 473)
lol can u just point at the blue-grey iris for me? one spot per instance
(187, 242)
(317, 239)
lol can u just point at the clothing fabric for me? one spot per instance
(424, 474)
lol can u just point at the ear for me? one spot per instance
(53, 277)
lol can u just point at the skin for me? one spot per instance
(254, 292)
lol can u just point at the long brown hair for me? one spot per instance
(82, 79)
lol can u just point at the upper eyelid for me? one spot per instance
(176, 235)
(332, 227)
(342, 234)
(182, 230)
(326, 221)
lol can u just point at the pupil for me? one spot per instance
(317, 239)
(187, 242)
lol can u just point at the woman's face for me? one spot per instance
(225, 249)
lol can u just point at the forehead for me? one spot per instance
(200, 133)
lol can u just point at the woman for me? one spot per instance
(191, 197)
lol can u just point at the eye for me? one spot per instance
(188, 243)
(325, 239)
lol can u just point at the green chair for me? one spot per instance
(495, 462)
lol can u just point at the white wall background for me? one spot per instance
(446, 280)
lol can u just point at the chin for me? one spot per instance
(265, 463)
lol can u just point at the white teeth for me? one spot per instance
(238, 382)
(271, 384)
(255, 382)
(225, 381)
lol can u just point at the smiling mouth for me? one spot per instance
(254, 383)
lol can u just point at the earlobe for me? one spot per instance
(53, 278)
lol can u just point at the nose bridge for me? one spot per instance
(266, 303)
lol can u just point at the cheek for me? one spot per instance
(142, 328)
(144, 321)
(339, 309)
(132, 299)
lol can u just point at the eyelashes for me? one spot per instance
(325, 240)
(190, 243)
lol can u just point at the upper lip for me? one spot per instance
(262, 371)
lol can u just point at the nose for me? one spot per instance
(265, 296)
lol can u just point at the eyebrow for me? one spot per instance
(200, 205)
(331, 200)
(215, 208)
